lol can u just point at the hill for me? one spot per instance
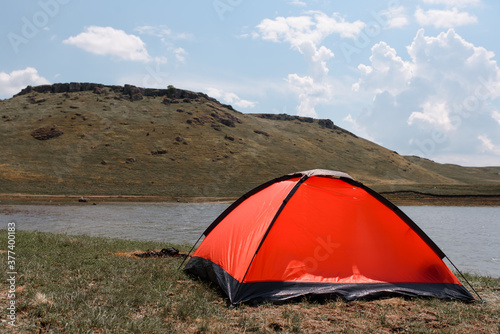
(92, 139)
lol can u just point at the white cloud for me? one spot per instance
(180, 54)
(298, 3)
(154, 31)
(387, 72)
(453, 3)
(448, 61)
(229, 98)
(110, 41)
(12, 83)
(310, 93)
(487, 145)
(163, 32)
(437, 101)
(317, 58)
(166, 36)
(496, 116)
(305, 34)
(443, 18)
(433, 112)
(160, 60)
(396, 17)
(311, 28)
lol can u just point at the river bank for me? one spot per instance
(69, 284)
(407, 198)
(11, 199)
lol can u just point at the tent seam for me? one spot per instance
(280, 209)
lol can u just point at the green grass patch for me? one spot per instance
(80, 284)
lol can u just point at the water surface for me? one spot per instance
(469, 236)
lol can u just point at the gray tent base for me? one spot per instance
(258, 292)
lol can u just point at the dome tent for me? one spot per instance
(320, 232)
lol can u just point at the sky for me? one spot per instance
(419, 77)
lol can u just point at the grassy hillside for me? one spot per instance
(113, 140)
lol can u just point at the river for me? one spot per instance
(469, 236)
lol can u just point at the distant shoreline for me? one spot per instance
(422, 199)
(6, 199)
(402, 198)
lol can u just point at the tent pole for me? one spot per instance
(482, 300)
(190, 251)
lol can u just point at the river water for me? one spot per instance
(469, 236)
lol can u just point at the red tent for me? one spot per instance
(320, 232)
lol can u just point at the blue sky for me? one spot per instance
(418, 77)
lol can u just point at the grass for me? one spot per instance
(78, 284)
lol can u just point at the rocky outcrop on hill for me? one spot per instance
(133, 92)
(286, 117)
(325, 123)
(46, 133)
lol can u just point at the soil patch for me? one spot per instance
(162, 253)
